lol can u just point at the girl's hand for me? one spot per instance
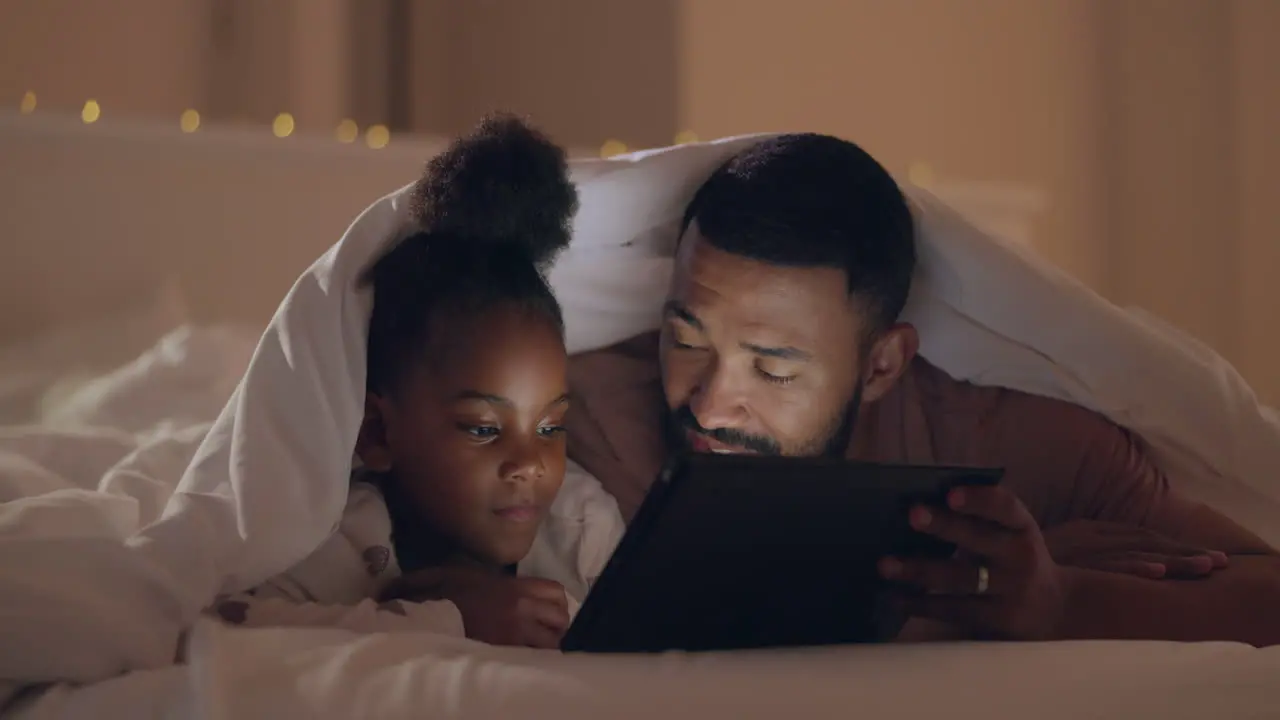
(496, 609)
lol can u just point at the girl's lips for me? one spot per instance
(517, 513)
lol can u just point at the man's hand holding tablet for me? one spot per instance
(1001, 579)
(686, 575)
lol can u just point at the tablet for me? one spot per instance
(733, 552)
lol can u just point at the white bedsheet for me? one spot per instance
(147, 416)
(321, 674)
(99, 459)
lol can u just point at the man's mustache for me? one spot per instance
(685, 420)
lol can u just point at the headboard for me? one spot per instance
(96, 218)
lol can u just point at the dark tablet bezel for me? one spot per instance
(895, 486)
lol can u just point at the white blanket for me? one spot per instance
(269, 482)
(102, 462)
(336, 675)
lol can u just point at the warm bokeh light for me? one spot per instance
(684, 137)
(190, 121)
(377, 136)
(347, 131)
(283, 125)
(91, 112)
(612, 147)
(28, 104)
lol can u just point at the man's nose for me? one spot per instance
(718, 401)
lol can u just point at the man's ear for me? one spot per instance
(889, 357)
(372, 444)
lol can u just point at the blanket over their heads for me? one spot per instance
(269, 482)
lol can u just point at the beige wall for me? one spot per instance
(585, 70)
(96, 220)
(232, 60)
(1255, 30)
(1170, 172)
(1193, 100)
(1147, 125)
(992, 90)
(136, 57)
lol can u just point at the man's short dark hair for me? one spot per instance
(808, 200)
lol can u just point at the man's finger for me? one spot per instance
(1153, 566)
(994, 503)
(946, 577)
(1181, 567)
(1156, 544)
(970, 534)
(1128, 566)
(1140, 539)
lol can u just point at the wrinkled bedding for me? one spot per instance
(328, 674)
(67, 433)
(91, 449)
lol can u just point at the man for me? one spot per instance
(781, 336)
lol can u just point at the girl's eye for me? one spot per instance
(550, 430)
(479, 431)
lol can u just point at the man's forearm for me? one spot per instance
(1237, 604)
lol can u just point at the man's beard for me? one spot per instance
(681, 422)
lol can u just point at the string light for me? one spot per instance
(612, 147)
(347, 131)
(921, 174)
(377, 136)
(282, 127)
(91, 112)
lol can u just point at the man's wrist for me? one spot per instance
(1073, 589)
(1097, 604)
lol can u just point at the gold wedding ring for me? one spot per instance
(984, 580)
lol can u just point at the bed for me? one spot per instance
(179, 383)
(159, 353)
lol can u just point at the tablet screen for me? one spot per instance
(733, 552)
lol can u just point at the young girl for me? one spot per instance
(462, 518)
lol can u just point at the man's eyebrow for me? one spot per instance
(486, 397)
(782, 353)
(673, 308)
(562, 400)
